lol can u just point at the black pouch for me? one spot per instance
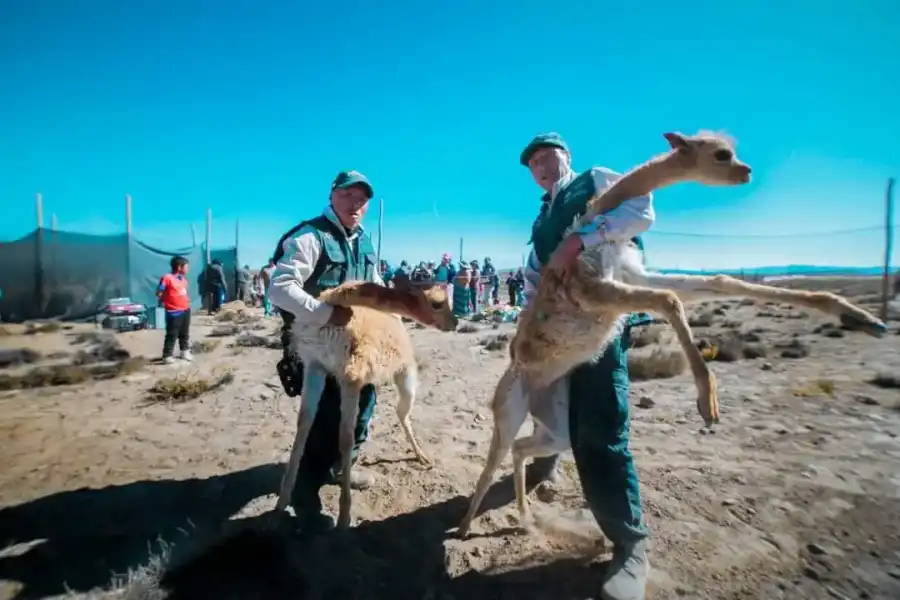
(290, 371)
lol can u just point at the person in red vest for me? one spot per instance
(173, 296)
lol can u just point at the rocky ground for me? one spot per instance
(113, 464)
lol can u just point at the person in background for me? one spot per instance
(215, 285)
(462, 293)
(173, 296)
(316, 255)
(475, 285)
(491, 282)
(401, 273)
(598, 389)
(253, 292)
(444, 274)
(384, 269)
(515, 283)
(265, 278)
(241, 281)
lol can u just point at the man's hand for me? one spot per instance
(340, 316)
(566, 253)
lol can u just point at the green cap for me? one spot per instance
(346, 179)
(542, 140)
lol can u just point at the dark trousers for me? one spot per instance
(215, 298)
(599, 430)
(321, 456)
(178, 327)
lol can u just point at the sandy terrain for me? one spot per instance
(795, 495)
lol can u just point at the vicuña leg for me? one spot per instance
(407, 382)
(313, 387)
(631, 298)
(692, 287)
(510, 408)
(349, 412)
(549, 408)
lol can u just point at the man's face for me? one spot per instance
(546, 167)
(350, 205)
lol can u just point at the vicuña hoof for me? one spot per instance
(864, 323)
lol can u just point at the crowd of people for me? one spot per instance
(473, 286)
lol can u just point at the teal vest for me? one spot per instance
(338, 262)
(570, 204)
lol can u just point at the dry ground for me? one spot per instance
(795, 495)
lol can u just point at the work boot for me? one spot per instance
(360, 479)
(309, 518)
(312, 522)
(627, 573)
(543, 469)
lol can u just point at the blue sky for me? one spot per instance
(250, 108)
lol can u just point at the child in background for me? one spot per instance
(173, 296)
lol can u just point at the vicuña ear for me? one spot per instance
(676, 140)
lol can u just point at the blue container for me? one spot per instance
(156, 318)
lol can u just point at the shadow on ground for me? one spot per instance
(91, 534)
(398, 558)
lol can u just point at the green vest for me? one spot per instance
(338, 261)
(570, 204)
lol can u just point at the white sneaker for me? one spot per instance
(169, 360)
(187, 356)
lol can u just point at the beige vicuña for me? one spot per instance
(373, 348)
(578, 311)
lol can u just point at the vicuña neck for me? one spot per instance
(371, 295)
(658, 172)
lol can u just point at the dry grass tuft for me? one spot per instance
(496, 343)
(48, 327)
(225, 331)
(646, 335)
(467, 328)
(70, 374)
(819, 387)
(887, 381)
(180, 389)
(793, 349)
(704, 319)
(251, 340)
(204, 346)
(659, 363)
(13, 357)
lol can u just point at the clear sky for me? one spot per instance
(251, 107)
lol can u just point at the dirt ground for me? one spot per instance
(796, 494)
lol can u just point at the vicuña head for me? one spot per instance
(708, 158)
(426, 303)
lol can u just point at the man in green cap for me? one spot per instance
(314, 256)
(598, 391)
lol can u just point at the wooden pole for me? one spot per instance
(128, 214)
(54, 224)
(193, 235)
(460, 249)
(888, 248)
(208, 234)
(380, 232)
(39, 209)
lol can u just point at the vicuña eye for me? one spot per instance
(723, 155)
